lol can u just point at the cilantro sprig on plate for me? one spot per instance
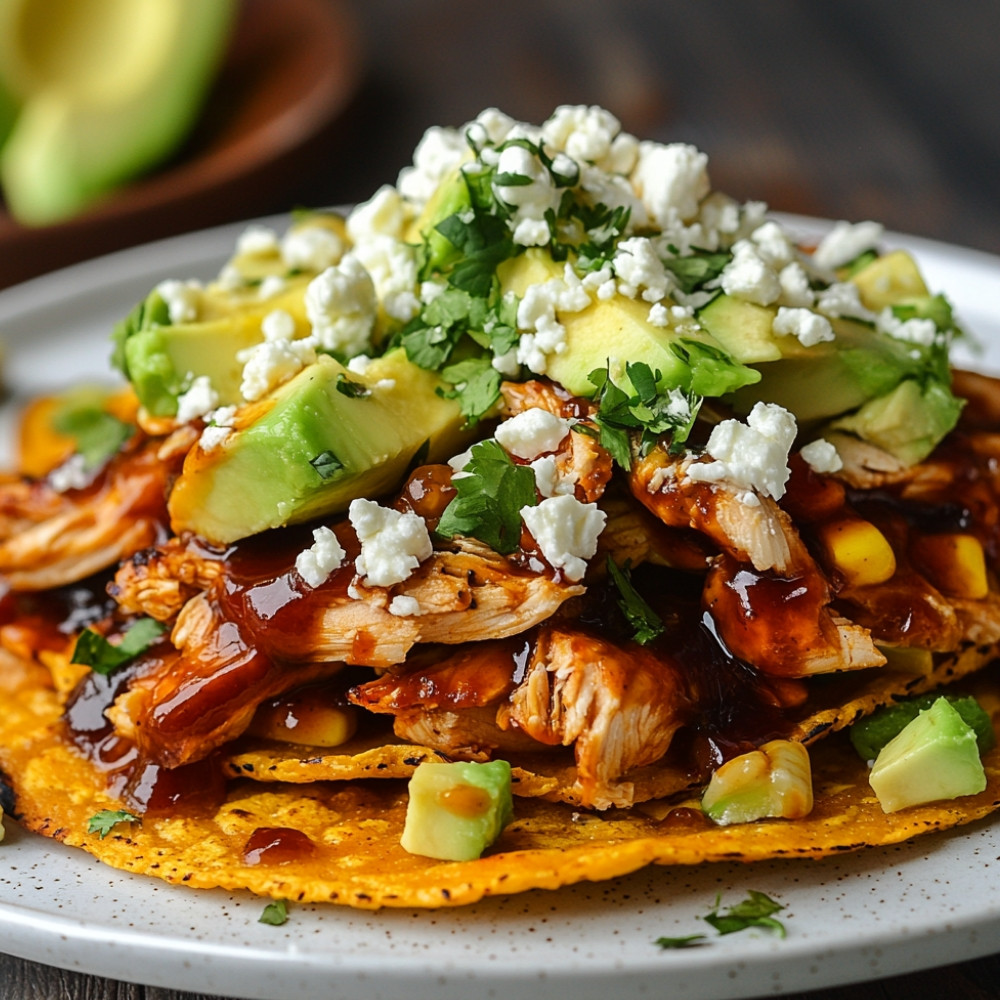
(103, 657)
(757, 910)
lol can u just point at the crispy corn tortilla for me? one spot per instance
(356, 825)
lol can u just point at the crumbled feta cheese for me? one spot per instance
(536, 314)
(384, 214)
(218, 428)
(843, 298)
(795, 290)
(490, 125)
(257, 241)
(566, 532)
(341, 306)
(822, 457)
(844, 242)
(359, 364)
(659, 315)
(459, 462)
(439, 152)
(748, 276)
(182, 299)
(773, 244)
(915, 330)
(532, 432)
(405, 606)
(549, 481)
(639, 268)
(272, 285)
(276, 359)
(73, 474)
(392, 266)
(750, 456)
(199, 399)
(530, 201)
(316, 563)
(393, 543)
(311, 248)
(810, 328)
(583, 133)
(671, 180)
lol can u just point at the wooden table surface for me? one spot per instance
(843, 110)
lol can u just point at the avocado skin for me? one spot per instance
(935, 757)
(436, 830)
(263, 475)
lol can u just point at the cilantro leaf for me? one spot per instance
(644, 620)
(275, 913)
(477, 387)
(484, 242)
(488, 499)
(755, 911)
(353, 390)
(96, 433)
(104, 657)
(713, 371)
(695, 270)
(104, 821)
(326, 464)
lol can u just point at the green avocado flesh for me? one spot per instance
(935, 757)
(107, 89)
(457, 810)
(311, 447)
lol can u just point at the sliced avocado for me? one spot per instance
(317, 442)
(617, 330)
(906, 422)
(108, 90)
(455, 811)
(934, 757)
(160, 358)
(893, 277)
(870, 734)
(450, 197)
(773, 781)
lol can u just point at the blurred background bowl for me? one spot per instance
(269, 129)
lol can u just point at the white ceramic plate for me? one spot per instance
(863, 916)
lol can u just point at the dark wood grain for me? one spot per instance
(844, 110)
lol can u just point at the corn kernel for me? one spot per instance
(774, 780)
(954, 563)
(858, 550)
(305, 723)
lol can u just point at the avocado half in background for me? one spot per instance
(93, 92)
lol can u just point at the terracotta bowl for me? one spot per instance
(292, 69)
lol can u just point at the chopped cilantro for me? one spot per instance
(103, 657)
(96, 433)
(648, 411)
(755, 911)
(275, 913)
(713, 371)
(644, 620)
(104, 821)
(693, 271)
(326, 464)
(488, 499)
(353, 390)
(477, 387)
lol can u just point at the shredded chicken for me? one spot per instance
(49, 539)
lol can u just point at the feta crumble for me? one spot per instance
(219, 427)
(532, 433)
(566, 531)
(275, 360)
(257, 241)
(845, 241)
(750, 456)
(808, 327)
(311, 248)
(393, 543)
(318, 562)
(749, 276)
(822, 457)
(182, 299)
(341, 305)
(671, 180)
(536, 315)
(405, 606)
(199, 399)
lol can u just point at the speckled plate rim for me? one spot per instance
(851, 918)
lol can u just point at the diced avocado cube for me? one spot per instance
(317, 442)
(934, 757)
(889, 279)
(617, 330)
(773, 781)
(870, 734)
(457, 810)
